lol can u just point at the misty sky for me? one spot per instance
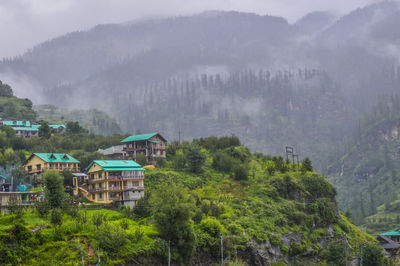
(24, 23)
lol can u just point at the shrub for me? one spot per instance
(160, 162)
(143, 208)
(325, 209)
(373, 255)
(56, 217)
(318, 186)
(179, 162)
(110, 239)
(196, 159)
(211, 226)
(335, 253)
(306, 165)
(141, 159)
(20, 233)
(240, 172)
(42, 208)
(223, 162)
(286, 187)
(98, 219)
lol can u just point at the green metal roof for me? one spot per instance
(117, 165)
(139, 137)
(17, 123)
(2, 176)
(57, 126)
(58, 158)
(392, 233)
(25, 128)
(122, 169)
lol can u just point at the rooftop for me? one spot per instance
(117, 165)
(139, 137)
(56, 157)
(392, 233)
(16, 123)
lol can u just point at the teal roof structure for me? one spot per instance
(117, 165)
(392, 233)
(56, 126)
(56, 157)
(26, 128)
(17, 123)
(2, 176)
(139, 137)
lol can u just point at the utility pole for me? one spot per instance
(362, 250)
(179, 136)
(169, 252)
(222, 250)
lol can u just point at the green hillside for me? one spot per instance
(367, 176)
(95, 121)
(264, 211)
(13, 107)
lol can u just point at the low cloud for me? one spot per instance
(24, 23)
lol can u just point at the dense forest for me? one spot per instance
(367, 175)
(94, 120)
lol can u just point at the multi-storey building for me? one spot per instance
(150, 145)
(119, 181)
(38, 163)
(26, 129)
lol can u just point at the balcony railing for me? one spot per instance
(98, 189)
(115, 178)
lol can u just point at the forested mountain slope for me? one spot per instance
(367, 176)
(259, 77)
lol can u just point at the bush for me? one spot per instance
(42, 208)
(223, 162)
(240, 172)
(306, 165)
(211, 226)
(141, 159)
(318, 186)
(335, 254)
(325, 209)
(56, 217)
(98, 219)
(195, 159)
(143, 208)
(110, 239)
(20, 233)
(160, 162)
(287, 187)
(179, 162)
(373, 255)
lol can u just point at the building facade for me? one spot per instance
(150, 145)
(26, 129)
(5, 184)
(113, 181)
(38, 163)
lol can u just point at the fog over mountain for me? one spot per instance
(268, 81)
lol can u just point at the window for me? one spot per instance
(29, 168)
(93, 197)
(100, 195)
(38, 166)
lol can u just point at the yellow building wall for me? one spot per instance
(35, 160)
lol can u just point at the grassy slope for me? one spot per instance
(250, 211)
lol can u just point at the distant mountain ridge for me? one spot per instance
(117, 68)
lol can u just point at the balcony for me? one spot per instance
(113, 189)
